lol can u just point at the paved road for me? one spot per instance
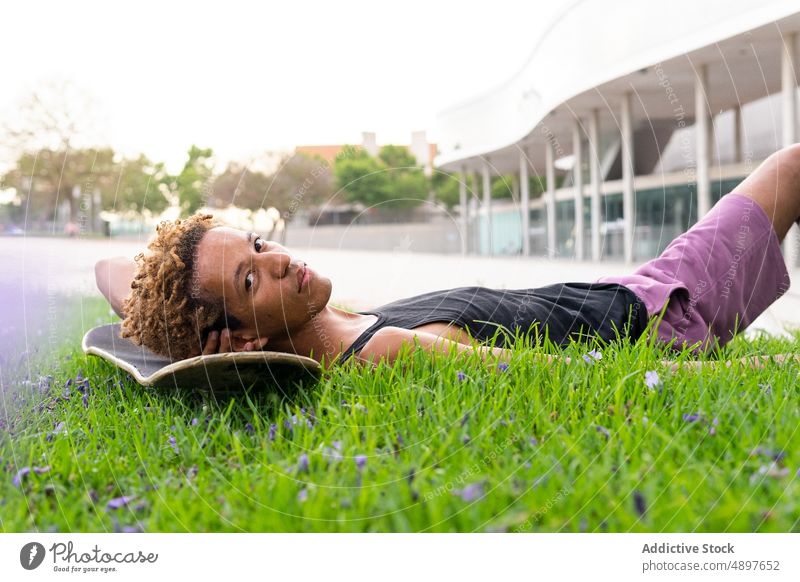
(361, 279)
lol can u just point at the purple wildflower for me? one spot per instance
(333, 453)
(502, 366)
(360, 460)
(470, 492)
(85, 401)
(604, 430)
(302, 495)
(302, 463)
(273, 428)
(17, 481)
(713, 429)
(465, 418)
(592, 356)
(461, 376)
(57, 430)
(465, 439)
(691, 417)
(45, 383)
(174, 444)
(194, 422)
(533, 441)
(651, 379)
(119, 502)
(20, 474)
(776, 456)
(249, 428)
(771, 470)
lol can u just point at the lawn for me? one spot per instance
(595, 445)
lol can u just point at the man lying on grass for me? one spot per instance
(203, 289)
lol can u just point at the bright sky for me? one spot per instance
(245, 77)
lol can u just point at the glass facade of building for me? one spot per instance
(661, 215)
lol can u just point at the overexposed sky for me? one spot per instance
(245, 77)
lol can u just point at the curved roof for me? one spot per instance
(593, 52)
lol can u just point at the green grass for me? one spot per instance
(571, 447)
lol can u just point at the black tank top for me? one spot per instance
(567, 311)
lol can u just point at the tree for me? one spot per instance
(446, 188)
(56, 116)
(47, 178)
(54, 139)
(193, 186)
(408, 184)
(300, 181)
(238, 186)
(137, 186)
(362, 178)
(395, 156)
(409, 188)
(503, 187)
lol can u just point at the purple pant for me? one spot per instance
(714, 279)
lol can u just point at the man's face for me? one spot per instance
(259, 282)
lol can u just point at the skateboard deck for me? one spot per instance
(218, 372)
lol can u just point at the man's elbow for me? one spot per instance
(104, 274)
(101, 276)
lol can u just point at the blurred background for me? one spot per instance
(117, 117)
(439, 144)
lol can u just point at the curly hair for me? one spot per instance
(167, 311)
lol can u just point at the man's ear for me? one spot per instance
(246, 340)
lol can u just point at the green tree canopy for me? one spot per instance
(397, 157)
(302, 180)
(446, 188)
(392, 179)
(47, 178)
(137, 185)
(239, 186)
(193, 186)
(362, 178)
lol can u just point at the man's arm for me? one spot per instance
(388, 342)
(114, 277)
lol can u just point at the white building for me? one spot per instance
(650, 111)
